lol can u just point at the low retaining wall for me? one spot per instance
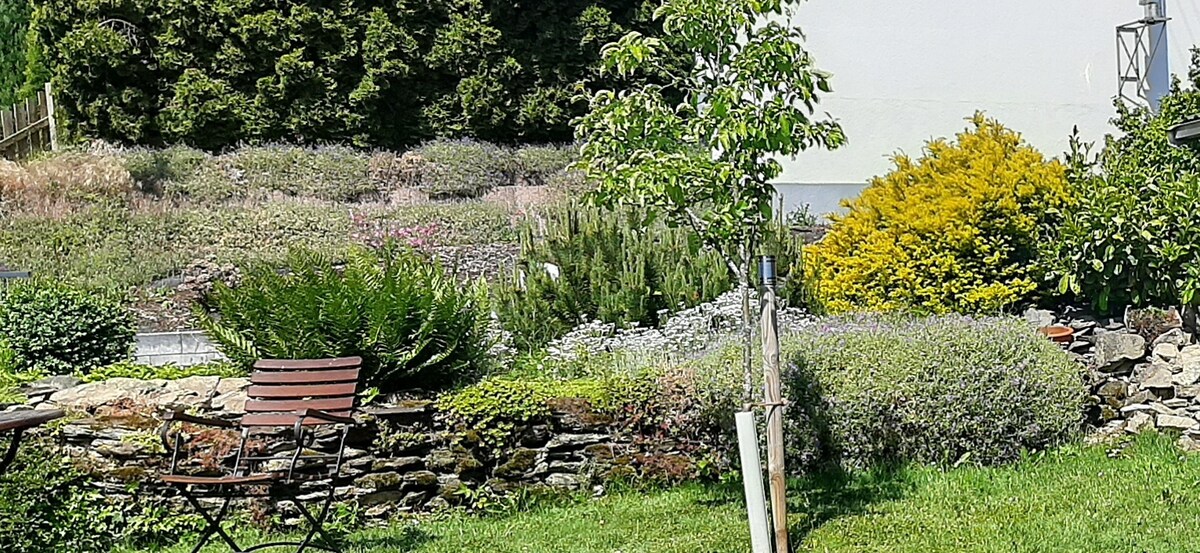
(184, 348)
(401, 458)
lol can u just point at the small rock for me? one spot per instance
(1187, 392)
(1176, 403)
(1166, 351)
(1187, 377)
(1189, 444)
(567, 481)
(381, 481)
(421, 478)
(1176, 422)
(1158, 377)
(1117, 352)
(378, 511)
(380, 498)
(1176, 337)
(1140, 397)
(56, 383)
(395, 464)
(1162, 409)
(1136, 408)
(1138, 422)
(1039, 317)
(565, 441)
(1081, 326)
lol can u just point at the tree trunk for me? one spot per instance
(747, 341)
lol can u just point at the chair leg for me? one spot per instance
(317, 524)
(11, 454)
(214, 524)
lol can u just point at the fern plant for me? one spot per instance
(413, 325)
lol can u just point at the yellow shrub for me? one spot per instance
(955, 230)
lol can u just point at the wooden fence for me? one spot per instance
(28, 127)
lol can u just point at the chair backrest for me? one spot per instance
(280, 387)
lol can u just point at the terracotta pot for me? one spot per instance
(1059, 334)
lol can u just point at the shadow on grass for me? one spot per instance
(827, 492)
(818, 499)
(398, 540)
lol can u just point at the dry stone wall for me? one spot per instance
(403, 457)
(1142, 376)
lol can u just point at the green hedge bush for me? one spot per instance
(53, 328)
(413, 325)
(14, 31)
(614, 266)
(874, 389)
(213, 73)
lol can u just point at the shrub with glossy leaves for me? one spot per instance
(1132, 239)
(413, 325)
(56, 329)
(954, 230)
(873, 389)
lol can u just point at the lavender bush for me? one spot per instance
(871, 389)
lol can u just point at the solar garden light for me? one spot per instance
(1184, 134)
(766, 268)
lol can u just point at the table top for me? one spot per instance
(21, 420)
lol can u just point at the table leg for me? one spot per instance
(11, 454)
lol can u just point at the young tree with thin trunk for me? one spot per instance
(707, 162)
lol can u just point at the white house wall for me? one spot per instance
(907, 71)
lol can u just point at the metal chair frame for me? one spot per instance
(244, 473)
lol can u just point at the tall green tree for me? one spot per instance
(14, 27)
(215, 72)
(707, 162)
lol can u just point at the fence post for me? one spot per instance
(51, 119)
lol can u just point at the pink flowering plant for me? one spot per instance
(377, 233)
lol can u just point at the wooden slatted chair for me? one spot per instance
(303, 395)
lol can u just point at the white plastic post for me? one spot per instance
(756, 501)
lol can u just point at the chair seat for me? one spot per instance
(220, 480)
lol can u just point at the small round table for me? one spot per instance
(17, 422)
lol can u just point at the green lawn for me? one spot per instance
(1144, 499)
